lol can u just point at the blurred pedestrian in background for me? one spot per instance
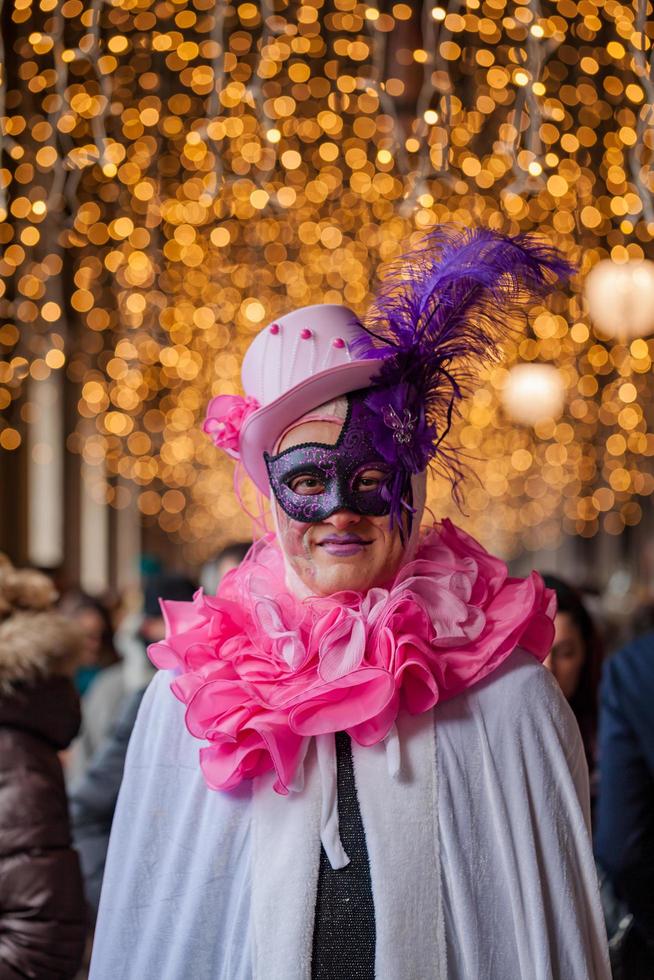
(93, 797)
(230, 557)
(42, 912)
(96, 628)
(99, 655)
(114, 700)
(102, 702)
(576, 661)
(624, 835)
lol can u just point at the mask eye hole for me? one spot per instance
(369, 480)
(306, 485)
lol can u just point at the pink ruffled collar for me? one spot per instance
(261, 673)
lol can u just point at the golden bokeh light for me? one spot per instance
(175, 175)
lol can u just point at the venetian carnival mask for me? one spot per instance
(314, 480)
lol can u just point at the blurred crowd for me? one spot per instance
(73, 670)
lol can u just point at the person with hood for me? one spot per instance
(389, 783)
(42, 909)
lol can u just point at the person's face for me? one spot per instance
(153, 629)
(345, 550)
(92, 629)
(566, 658)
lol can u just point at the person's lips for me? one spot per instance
(343, 545)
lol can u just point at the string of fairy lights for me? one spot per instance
(176, 174)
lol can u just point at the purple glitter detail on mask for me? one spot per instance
(396, 421)
(337, 468)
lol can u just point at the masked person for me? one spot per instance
(390, 784)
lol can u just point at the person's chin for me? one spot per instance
(344, 576)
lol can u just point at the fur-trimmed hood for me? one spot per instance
(24, 588)
(34, 645)
(35, 641)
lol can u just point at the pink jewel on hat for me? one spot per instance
(289, 377)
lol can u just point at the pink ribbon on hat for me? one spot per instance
(224, 420)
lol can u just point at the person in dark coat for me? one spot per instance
(42, 911)
(576, 661)
(624, 834)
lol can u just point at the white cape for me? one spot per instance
(479, 850)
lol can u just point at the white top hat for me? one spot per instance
(295, 364)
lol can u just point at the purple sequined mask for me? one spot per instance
(338, 477)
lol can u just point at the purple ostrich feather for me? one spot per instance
(440, 314)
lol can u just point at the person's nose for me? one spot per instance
(343, 519)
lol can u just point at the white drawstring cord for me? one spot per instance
(329, 829)
(392, 743)
(329, 834)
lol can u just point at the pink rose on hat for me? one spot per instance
(224, 420)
